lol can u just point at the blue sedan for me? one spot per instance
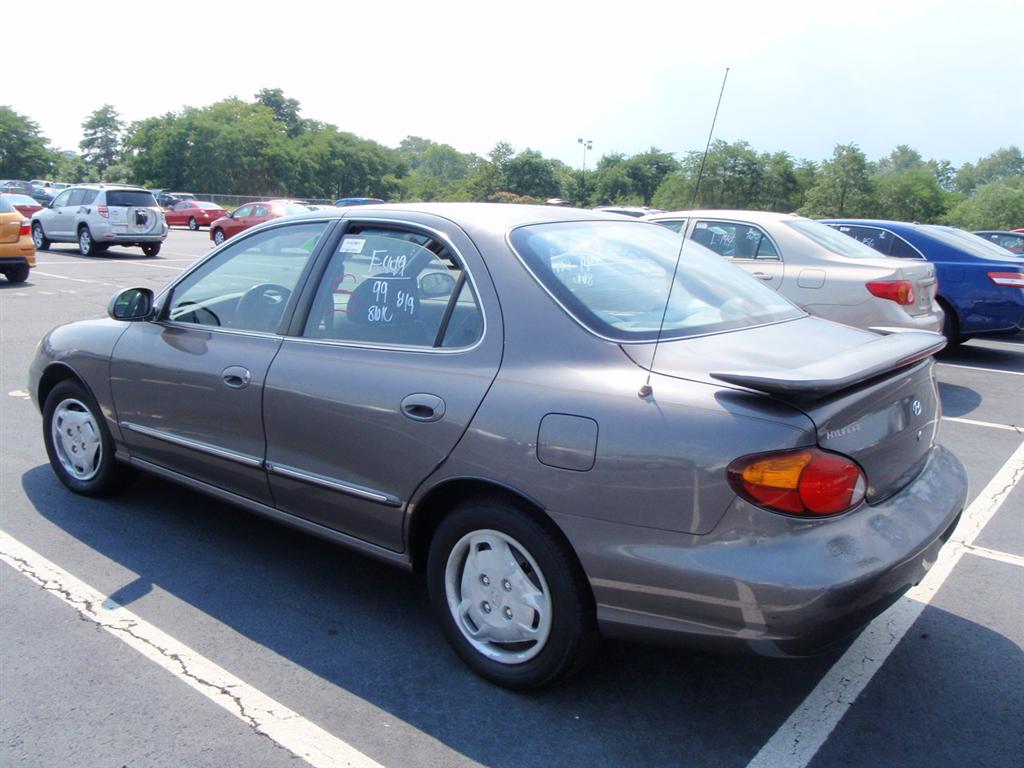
(981, 286)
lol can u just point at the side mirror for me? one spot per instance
(131, 304)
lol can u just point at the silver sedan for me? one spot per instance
(819, 272)
(571, 423)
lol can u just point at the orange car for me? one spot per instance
(17, 252)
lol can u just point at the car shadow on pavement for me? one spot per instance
(109, 255)
(957, 400)
(367, 628)
(1003, 358)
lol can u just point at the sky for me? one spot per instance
(947, 78)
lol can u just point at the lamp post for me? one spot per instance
(587, 144)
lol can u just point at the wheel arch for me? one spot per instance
(56, 373)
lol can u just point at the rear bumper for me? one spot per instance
(18, 254)
(104, 233)
(768, 583)
(879, 313)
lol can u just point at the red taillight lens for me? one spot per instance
(103, 211)
(1009, 279)
(900, 291)
(808, 481)
(25, 228)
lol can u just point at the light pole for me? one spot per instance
(587, 144)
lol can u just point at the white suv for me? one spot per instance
(97, 216)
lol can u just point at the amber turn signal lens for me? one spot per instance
(808, 481)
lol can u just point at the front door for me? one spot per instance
(746, 245)
(188, 388)
(392, 363)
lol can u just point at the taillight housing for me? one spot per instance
(900, 291)
(25, 228)
(1008, 279)
(103, 211)
(808, 482)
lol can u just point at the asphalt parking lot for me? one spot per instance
(245, 639)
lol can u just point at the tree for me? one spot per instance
(24, 151)
(286, 111)
(101, 138)
(910, 195)
(901, 159)
(843, 187)
(647, 170)
(528, 174)
(1004, 163)
(996, 205)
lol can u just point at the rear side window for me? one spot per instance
(735, 240)
(77, 196)
(89, 195)
(676, 225)
(5, 206)
(131, 197)
(393, 287)
(902, 249)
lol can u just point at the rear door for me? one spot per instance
(10, 222)
(133, 212)
(401, 343)
(746, 245)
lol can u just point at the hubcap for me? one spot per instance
(84, 240)
(498, 596)
(37, 236)
(192, 224)
(76, 439)
(218, 238)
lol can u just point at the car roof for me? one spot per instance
(724, 213)
(493, 216)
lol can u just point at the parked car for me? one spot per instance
(97, 216)
(1011, 241)
(167, 199)
(251, 214)
(193, 213)
(345, 201)
(819, 271)
(469, 391)
(17, 253)
(636, 211)
(980, 284)
(24, 204)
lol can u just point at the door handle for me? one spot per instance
(236, 377)
(423, 407)
(761, 275)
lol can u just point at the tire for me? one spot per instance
(950, 327)
(39, 238)
(86, 245)
(18, 274)
(218, 236)
(192, 223)
(78, 442)
(491, 562)
(151, 249)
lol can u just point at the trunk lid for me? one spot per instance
(920, 273)
(872, 398)
(10, 226)
(134, 212)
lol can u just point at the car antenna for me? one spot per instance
(647, 390)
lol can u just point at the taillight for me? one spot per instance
(807, 481)
(900, 291)
(25, 228)
(103, 211)
(1010, 279)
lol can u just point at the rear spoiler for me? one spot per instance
(884, 354)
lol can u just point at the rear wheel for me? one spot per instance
(18, 274)
(86, 245)
(218, 236)
(78, 442)
(39, 238)
(950, 326)
(509, 596)
(192, 223)
(151, 249)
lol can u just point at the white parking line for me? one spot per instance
(74, 279)
(994, 554)
(90, 263)
(989, 424)
(798, 740)
(263, 714)
(976, 368)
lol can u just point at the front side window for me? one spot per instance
(247, 285)
(241, 213)
(62, 199)
(393, 287)
(616, 279)
(735, 240)
(260, 210)
(77, 196)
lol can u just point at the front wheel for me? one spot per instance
(39, 237)
(509, 596)
(78, 443)
(151, 249)
(218, 236)
(86, 245)
(192, 223)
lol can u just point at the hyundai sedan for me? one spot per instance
(571, 424)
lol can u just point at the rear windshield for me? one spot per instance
(614, 279)
(130, 197)
(833, 240)
(290, 209)
(208, 206)
(966, 241)
(20, 200)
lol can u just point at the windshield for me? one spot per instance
(966, 241)
(832, 240)
(614, 279)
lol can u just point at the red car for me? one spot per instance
(24, 204)
(251, 214)
(193, 214)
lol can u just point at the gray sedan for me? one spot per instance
(819, 272)
(568, 425)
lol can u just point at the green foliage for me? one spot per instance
(286, 111)
(909, 195)
(101, 139)
(24, 152)
(528, 174)
(996, 205)
(1004, 163)
(843, 187)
